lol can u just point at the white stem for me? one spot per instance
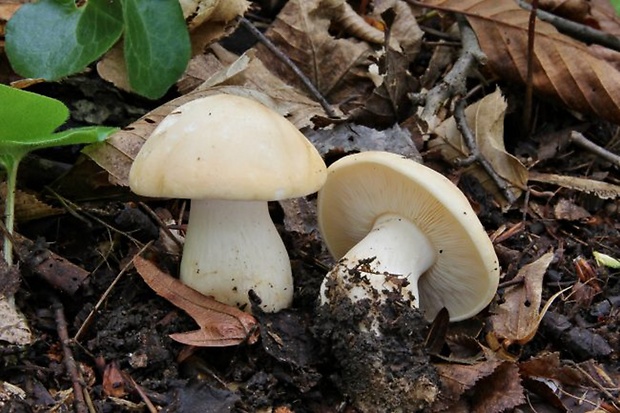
(232, 247)
(390, 258)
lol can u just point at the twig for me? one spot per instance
(161, 224)
(475, 154)
(329, 110)
(105, 295)
(529, 87)
(70, 365)
(145, 398)
(454, 82)
(578, 139)
(579, 31)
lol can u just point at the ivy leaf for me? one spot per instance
(157, 45)
(28, 120)
(28, 114)
(52, 39)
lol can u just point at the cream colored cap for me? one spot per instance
(226, 147)
(364, 186)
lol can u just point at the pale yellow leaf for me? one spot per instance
(486, 119)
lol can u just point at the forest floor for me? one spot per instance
(547, 343)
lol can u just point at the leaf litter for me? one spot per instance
(538, 347)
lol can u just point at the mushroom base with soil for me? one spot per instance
(232, 247)
(379, 347)
(391, 257)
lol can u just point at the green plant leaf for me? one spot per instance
(157, 45)
(24, 113)
(54, 38)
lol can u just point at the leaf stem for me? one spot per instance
(11, 166)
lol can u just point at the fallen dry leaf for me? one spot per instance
(517, 319)
(486, 119)
(220, 324)
(559, 382)
(499, 391)
(487, 387)
(563, 68)
(600, 189)
(337, 67)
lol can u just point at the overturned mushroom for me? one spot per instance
(406, 238)
(230, 155)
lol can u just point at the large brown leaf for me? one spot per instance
(337, 67)
(563, 68)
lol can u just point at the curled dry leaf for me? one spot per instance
(600, 189)
(563, 68)
(220, 324)
(517, 319)
(486, 119)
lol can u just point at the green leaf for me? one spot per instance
(157, 45)
(54, 38)
(15, 149)
(606, 260)
(28, 114)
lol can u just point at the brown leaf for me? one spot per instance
(486, 119)
(563, 68)
(487, 387)
(220, 324)
(517, 319)
(549, 366)
(499, 391)
(28, 206)
(337, 67)
(569, 211)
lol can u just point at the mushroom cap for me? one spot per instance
(226, 147)
(364, 186)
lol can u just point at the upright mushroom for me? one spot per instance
(405, 237)
(230, 155)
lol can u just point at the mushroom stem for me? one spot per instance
(390, 258)
(232, 247)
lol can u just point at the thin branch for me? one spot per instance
(529, 87)
(576, 30)
(475, 154)
(454, 82)
(162, 225)
(578, 139)
(327, 107)
(69, 361)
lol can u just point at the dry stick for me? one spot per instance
(576, 30)
(454, 82)
(578, 139)
(161, 224)
(531, 36)
(70, 365)
(327, 107)
(107, 292)
(476, 155)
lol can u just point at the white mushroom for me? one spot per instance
(398, 226)
(230, 155)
